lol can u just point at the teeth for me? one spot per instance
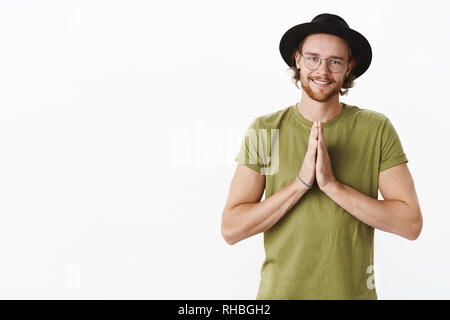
(320, 82)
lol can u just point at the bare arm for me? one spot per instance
(244, 216)
(398, 213)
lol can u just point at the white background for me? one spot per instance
(120, 120)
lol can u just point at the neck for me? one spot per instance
(322, 111)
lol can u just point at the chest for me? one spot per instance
(354, 156)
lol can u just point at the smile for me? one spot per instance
(321, 83)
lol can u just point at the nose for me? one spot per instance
(323, 68)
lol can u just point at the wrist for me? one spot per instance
(329, 188)
(303, 183)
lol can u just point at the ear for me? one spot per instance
(297, 59)
(350, 67)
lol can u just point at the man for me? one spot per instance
(327, 161)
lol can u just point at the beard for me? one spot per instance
(321, 94)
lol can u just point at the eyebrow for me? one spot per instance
(331, 57)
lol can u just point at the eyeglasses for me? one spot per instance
(334, 65)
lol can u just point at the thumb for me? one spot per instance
(319, 150)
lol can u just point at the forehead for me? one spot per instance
(326, 45)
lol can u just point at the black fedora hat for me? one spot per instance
(331, 24)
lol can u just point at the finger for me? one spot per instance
(321, 132)
(321, 139)
(312, 136)
(313, 132)
(314, 146)
(319, 145)
(317, 135)
(322, 148)
(316, 130)
(313, 151)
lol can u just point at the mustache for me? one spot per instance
(323, 80)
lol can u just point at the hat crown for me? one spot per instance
(330, 18)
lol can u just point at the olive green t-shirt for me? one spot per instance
(318, 250)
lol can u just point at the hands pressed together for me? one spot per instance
(317, 162)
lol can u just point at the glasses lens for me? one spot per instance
(312, 62)
(335, 65)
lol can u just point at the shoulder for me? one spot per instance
(366, 113)
(368, 117)
(273, 119)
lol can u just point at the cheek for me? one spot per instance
(303, 75)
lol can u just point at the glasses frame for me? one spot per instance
(327, 60)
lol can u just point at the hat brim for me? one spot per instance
(357, 42)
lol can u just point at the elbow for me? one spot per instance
(415, 232)
(415, 228)
(412, 235)
(229, 239)
(228, 235)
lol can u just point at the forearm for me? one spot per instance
(394, 216)
(248, 219)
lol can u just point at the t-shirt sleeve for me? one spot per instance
(392, 152)
(248, 152)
